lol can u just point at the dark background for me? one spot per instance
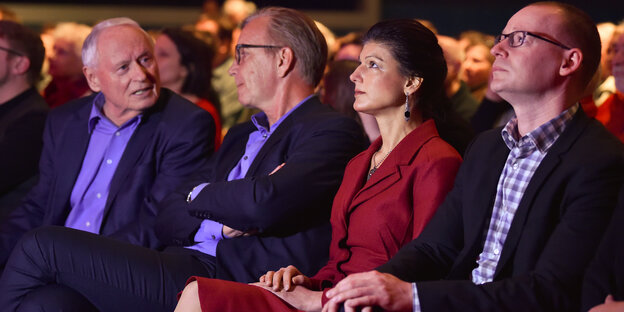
(449, 16)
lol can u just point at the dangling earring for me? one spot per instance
(407, 111)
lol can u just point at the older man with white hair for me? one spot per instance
(109, 158)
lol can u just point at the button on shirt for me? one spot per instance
(526, 153)
(210, 232)
(106, 147)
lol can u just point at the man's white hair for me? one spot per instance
(89, 48)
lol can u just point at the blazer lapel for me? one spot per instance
(135, 148)
(280, 133)
(548, 164)
(71, 152)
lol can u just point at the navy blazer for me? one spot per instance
(288, 210)
(173, 140)
(554, 233)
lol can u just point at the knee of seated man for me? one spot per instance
(54, 298)
(40, 239)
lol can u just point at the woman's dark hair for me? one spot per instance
(196, 56)
(418, 53)
(416, 49)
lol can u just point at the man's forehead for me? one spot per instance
(255, 31)
(535, 18)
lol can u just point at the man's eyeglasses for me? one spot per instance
(238, 48)
(12, 51)
(516, 39)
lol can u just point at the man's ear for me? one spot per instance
(571, 62)
(20, 65)
(412, 85)
(285, 61)
(92, 79)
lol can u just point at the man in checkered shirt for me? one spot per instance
(530, 201)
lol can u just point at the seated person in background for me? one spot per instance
(476, 69)
(606, 85)
(22, 112)
(611, 112)
(349, 47)
(457, 91)
(603, 287)
(185, 67)
(262, 202)
(109, 158)
(527, 210)
(389, 191)
(65, 65)
(338, 92)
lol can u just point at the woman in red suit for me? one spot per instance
(389, 192)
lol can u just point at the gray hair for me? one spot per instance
(89, 47)
(297, 31)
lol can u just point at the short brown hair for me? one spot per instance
(297, 31)
(26, 42)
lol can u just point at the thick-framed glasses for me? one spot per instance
(11, 51)
(516, 39)
(238, 48)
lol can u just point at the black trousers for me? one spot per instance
(61, 269)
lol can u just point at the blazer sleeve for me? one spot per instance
(186, 151)
(31, 212)
(601, 276)
(553, 283)
(298, 195)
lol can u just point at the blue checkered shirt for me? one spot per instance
(526, 153)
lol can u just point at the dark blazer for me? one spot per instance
(22, 121)
(172, 141)
(605, 275)
(554, 233)
(288, 210)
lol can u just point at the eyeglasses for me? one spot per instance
(516, 39)
(11, 51)
(237, 56)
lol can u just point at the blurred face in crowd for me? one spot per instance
(378, 82)
(5, 60)
(617, 48)
(172, 73)
(531, 68)
(477, 66)
(254, 70)
(65, 61)
(125, 70)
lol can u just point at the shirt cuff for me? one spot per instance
(196, 191)
(209, 230)
(416, 304)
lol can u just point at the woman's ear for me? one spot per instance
(412, 84)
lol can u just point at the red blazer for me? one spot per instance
(611, 114)
(370, 219)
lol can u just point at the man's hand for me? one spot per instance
(285, 278)
(609, 305)
(370, 289)
(229, 232)
(299, 297)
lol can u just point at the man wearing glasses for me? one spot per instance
(531, 200)
(22, 112)
(261, 203)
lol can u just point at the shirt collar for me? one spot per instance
(261, 121)
(543, 136)
(97, 114)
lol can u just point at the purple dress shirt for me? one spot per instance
(211, 232)
(106, 147)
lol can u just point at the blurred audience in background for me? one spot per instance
(65, 65)
(185, 65)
